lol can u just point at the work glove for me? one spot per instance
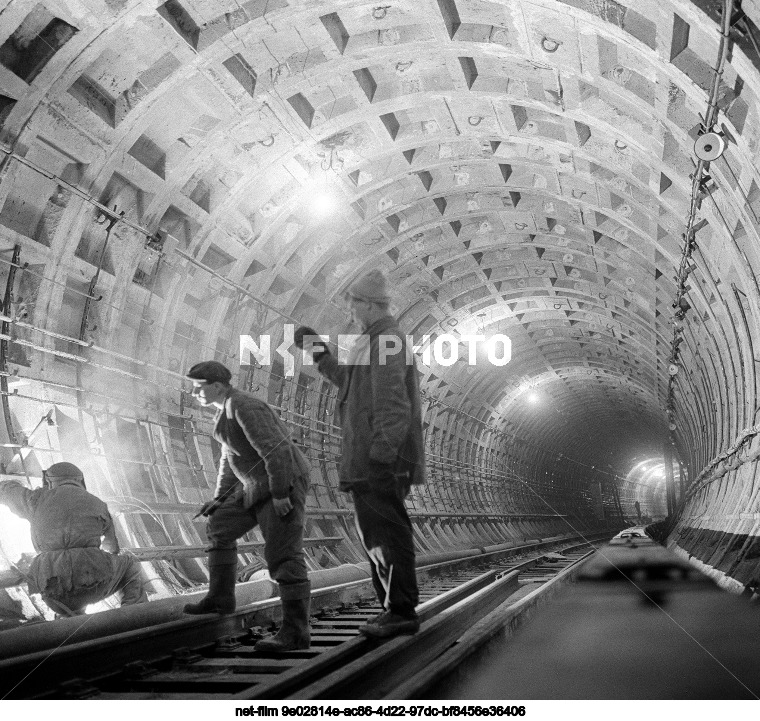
(298, 338)
(282, 506)
(208, 508)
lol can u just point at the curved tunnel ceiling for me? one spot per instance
(519, 168)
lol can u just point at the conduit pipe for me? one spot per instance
(65, 631)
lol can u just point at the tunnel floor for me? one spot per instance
(671, 637)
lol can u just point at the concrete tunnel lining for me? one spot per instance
(518, 168)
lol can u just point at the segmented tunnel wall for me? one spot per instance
(117, 406)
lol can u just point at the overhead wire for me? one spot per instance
(680, 304)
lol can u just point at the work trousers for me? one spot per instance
(386, 534)
(283, 538)
(126, 579)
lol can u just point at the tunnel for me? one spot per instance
(563, 194)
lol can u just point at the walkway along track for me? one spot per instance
(212, 657)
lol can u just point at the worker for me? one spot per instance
(382, 453)
(78, 561)
(262, 480)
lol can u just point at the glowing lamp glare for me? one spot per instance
(322, 204)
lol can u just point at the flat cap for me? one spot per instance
(210, 371)
(371, 287)
(64, 469)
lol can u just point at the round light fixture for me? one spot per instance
(709, 147)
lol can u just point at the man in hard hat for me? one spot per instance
(262, 480)
(77, 561)
(382, 453)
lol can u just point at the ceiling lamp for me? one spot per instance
(322, 204)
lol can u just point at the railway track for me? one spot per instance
(212, 657)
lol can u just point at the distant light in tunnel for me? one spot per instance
(644, 468)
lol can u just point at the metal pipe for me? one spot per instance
(4, 329)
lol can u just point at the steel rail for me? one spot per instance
(157, 656)
(509, 615)
(401, 657)
(350, 661)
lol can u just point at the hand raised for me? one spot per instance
(300, 332)
(300, 336)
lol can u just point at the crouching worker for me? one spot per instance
(71, 570)
(262, 480)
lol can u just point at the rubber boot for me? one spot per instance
(294, 634)
(220, 598)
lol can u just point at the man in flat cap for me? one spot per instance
(380, 415)
(262, 479)
(69, 525)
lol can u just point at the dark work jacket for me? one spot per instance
(378, 407)
(257, 451)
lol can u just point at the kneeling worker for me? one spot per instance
(262, 480)
(71, 570)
